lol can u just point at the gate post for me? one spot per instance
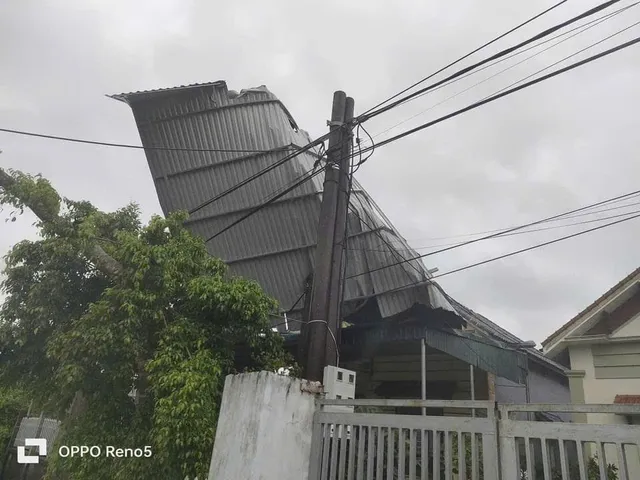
(491, 446)
(506, 447)
(315, 455)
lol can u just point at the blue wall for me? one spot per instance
(545, 386)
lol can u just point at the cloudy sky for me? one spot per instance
(557, 146)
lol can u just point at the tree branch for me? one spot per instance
(103, 261)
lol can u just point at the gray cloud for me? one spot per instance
(557, 146)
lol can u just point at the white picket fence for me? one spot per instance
(489, 445)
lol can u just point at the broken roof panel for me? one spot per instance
(276, 245)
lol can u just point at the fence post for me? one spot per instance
(315, 456)
(506, 447)
(496, 422)
(490, 446)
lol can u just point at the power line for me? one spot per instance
(464, 57)
(470, 107)
(517, 252)
(280, 162)
(358, 140)
(577, 215)
(544, 220)
(262, 172)
(299, 177)
(125, 145)
(568, 57)
(265, 204)
(394, 251)
(549, 31)
(531, 231)
(539, 245)
(506, 93)
(582, 28)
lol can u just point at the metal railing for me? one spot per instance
(350, 446)
(569, 451)
(395, 446)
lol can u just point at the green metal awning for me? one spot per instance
(480, 352)
(502, 362)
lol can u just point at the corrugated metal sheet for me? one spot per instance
(504, 363)
(489, 328)
(275, 246)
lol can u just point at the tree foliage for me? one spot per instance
(13, 403)
(166, 327)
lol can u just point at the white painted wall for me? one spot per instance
(600, 390)
(604, 391)
(264, 429)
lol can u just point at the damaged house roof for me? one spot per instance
(275, 246)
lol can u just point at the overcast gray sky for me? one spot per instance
(568, 142)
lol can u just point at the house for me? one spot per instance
(211, 139)
(601, 348)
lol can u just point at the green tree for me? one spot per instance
(100, 307)
(13, 404)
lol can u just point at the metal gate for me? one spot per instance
(467, 440)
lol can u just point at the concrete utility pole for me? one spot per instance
(323, 323)
(340, 240)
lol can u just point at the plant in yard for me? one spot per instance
(138, 323)
(592, 471)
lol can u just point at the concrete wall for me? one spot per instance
(264, 429)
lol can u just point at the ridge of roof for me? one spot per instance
(590, 307)
(148, 94)
(125, 97)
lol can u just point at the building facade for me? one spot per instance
(601, 348)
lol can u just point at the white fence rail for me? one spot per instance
(573, 451)
(491, 445)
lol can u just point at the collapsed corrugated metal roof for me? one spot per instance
(276, 245)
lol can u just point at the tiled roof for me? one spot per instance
(627, 400)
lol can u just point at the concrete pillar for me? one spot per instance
(491, 382)
(576, 387)
(264, 428)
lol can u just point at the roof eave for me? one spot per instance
(616, 289)
(132, 96)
